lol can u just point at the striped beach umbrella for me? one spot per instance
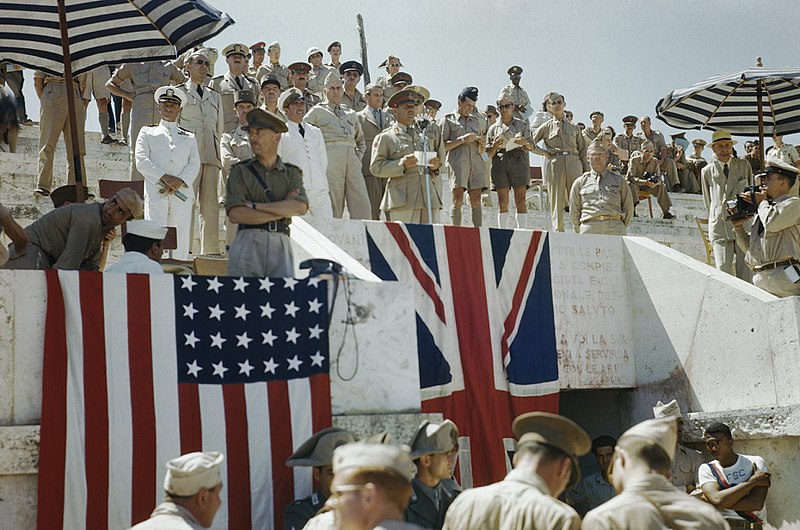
(752, 103)
(68, 37)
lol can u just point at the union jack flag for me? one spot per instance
(485, 330)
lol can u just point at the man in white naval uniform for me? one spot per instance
(304, 146)
(167, 156)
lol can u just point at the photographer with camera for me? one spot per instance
(773, 244)
(721, 181)
(643, 175)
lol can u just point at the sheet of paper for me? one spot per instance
(430, 155)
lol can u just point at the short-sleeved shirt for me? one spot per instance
(738, 473)
(243, 186)
(508, 132)
(465, 159)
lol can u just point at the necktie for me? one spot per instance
(725, 170)
(239, 82)
(378, 117)
(302, 131)
(200, 90)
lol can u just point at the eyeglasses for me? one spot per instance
(505, 106)
(557, 102)
(202, 62)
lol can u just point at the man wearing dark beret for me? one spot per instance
(335, 51)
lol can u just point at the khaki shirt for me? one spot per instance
(600, 197)
(561, 135)
(203, 117)
(227, 86)
(696, 163)
(407, 188)
(146, 78)
(243, 187)
(590, 134)
(659, 143)
(234, 148)
(80, 82)
(508, 132)
(717, 190)
(278, 70)
(467, 156)
(521, 501)
(630, 144)
(339, 126)
(317, 77)
(779, 224)
(355, 103)
(71, 236)
(518, 96)
(637, 169)
(653, 503)
(685, 464)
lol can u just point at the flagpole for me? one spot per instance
(68, 84)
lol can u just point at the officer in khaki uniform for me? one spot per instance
(545, 464)
(274, 66)
(298, 78)
(374, 119)
(235, 79)
(202, 115)
(393, 158)
(646, 498)
(351, 72)
(235, 148)
(600, 201)
(54, 120)
(392, 65)
(316, 452)
(564, 156)
(434, 449)
(666, 163)
(517, 94)
(685, 461)
(344, 141)
(257, 51)
(695, 161)
(640, 164)
(773, 244)
(319, 72)
(144, 80)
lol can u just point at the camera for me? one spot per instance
(655, 179)
(740, 208)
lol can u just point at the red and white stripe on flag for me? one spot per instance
(113, 413)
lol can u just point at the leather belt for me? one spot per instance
(774, 265)
(280, 226)
(741, 523)
(605, 218)
(566, 153)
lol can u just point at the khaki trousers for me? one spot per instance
(659, 192)
(609, 228)
(559, 173)
(205, 186)
(345, 182)
(54, 120)
(375, 190)
(414, 215)
(728, 257)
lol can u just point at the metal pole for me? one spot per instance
(73, 125)
(363, 39)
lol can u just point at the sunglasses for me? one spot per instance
(202, 62)
(505, 106)
(557, 102)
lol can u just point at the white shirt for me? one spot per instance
(135, 262)
(307, 152)
(166, 149)
(736, 474)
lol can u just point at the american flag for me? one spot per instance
(485, 330)
(140, 369)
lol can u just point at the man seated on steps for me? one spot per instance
(642, 169)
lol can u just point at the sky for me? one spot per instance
(618, 56)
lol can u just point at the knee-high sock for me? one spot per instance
(126, 125)
(522, 219)
(104, 123)
(502, 219)
(477, 216)
(455, 214)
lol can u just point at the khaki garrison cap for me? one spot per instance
(662, 432)
(188, 474)
(362, 455)
(317, 451)
(433, 438)
(670, 410)
(264, 119)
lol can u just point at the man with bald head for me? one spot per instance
(344, 142)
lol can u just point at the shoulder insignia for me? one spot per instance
(185, 132)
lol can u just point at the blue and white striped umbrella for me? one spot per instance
(103, 31)
(730, 101)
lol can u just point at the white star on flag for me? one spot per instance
(242, 312)
(266, 310)
(214, 284)
(292, 335)
(314, 306)
(270, 366)
(268, 337)
(313, 282)
(217, 340)
(240, 284)
(243, 340)
(317, 358)
(219, 369)
(315, 332)
(244, 368)
(216, 312)
(193, 367)
(189, 310)
(191, 340)
(265, 284)
(290, 283)
(291, 309)
(294, 363)
(188, 283)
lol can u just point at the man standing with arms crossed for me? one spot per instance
(203, 116)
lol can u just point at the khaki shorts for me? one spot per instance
(511, 172)
(97, 82)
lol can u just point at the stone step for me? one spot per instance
(30, 146)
